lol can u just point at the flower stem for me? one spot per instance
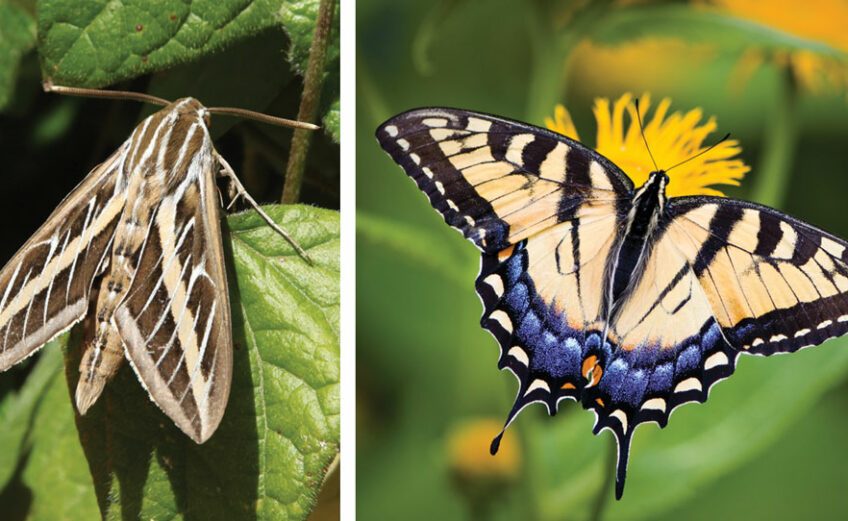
(779, 144)
(312, 82)
(604, 491)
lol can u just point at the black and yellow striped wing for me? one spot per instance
(716, 278)
(499, 181)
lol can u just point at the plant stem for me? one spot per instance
(780, 141)
(312, 82)
(604, 491)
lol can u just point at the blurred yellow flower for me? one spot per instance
(673, 138)
(480, 478)
(819, 20)
(468, 451)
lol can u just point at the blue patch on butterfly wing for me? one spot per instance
(667, 377)
(530, 328)
(688, 360)
(516, 299)
(661, 378)
(632, 389)
(558, 359)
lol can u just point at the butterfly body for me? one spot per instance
(620, 298)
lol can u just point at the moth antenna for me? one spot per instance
(229, 172)
(265, 118)
(105, 94)
(702, 152)
(642, 132)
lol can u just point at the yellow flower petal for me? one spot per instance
(675, 139)
(562, 123)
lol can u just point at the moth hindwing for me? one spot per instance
(137, 243)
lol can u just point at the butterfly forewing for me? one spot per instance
(775, 284)
(497, 181)
(45, 287)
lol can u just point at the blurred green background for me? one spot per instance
(770, 442)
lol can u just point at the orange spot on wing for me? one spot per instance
(505, 253)
(600, 402)
(588, 364)
(568, 385)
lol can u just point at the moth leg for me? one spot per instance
(227, 170)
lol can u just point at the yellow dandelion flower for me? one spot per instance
(673, 138)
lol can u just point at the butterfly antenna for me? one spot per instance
(642, 131)
(702, 152)
(107, 94)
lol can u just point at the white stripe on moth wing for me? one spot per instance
(199, 356)
(182, 313)
(167, 308)
(163, 148)
(132, 153)
(68, 285)
(182, 354)
(54, 244)
(208, 389)
(184, 151)
(167, 121)
(80, 240)
(8, 290)
(184, 295)
(176, 370)
(14, 302)
(166, 265)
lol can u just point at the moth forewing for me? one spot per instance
(176, 318)
(45, 287)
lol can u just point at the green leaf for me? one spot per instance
(18, 410)
(56, 472)
(17, 36)
(281, 428)
(332, 119)
(700, 25)
(299, 21)
(100, 42)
